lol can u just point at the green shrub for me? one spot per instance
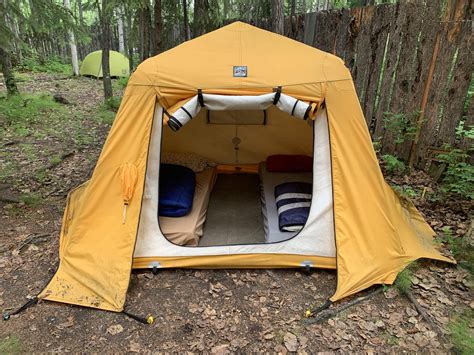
(403, 126)
(459, 175)
(405, 191)
(461, 249)
(54, 64)
(377, 145)
(462, 131)
(123, 81)
(404, 280)
(393, 165)
(113, 103)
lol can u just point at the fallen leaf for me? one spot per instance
(115, 329)
(291, 342)
(134, 347)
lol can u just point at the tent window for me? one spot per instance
(237, 117)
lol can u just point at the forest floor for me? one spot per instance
(47, 148)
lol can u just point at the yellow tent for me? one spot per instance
(281, 97)
(92, 64)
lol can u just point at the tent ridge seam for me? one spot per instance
(239, 87)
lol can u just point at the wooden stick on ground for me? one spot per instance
(422, 312)
(326, 314)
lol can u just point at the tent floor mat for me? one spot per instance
(234, 214)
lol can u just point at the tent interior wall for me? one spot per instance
(279, 134)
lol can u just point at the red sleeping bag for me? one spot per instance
(289, 163)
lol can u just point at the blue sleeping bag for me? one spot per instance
(177, 184)
(293, 200)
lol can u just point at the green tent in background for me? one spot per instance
(92, 64)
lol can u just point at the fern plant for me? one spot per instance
(459, 175)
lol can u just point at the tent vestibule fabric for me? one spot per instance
(357, 224)
(92, 64)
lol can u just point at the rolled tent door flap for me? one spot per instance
(294, 107)
(128, 177)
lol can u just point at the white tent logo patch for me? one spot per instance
(240, 71)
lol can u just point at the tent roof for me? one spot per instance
(207, 63)
(92, 64)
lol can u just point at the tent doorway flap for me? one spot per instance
(288, 104)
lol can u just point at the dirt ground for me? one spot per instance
(214, 310)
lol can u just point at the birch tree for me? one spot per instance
(120, 32)
(72, 44)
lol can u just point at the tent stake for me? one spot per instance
(148, 320)
(31, 302)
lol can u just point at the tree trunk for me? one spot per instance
(292, 24)
(81, 23)
(187, 32)
(226, 9)
(8, 76)
(121, 39)
(201, 17)
(72, 44)
(130, 42)
(105, 44)
(158, 45)
(278, 17)
(144, 26)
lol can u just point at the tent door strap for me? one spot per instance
(31, 302)
(200, 98)
(145, 320)
(277, 91)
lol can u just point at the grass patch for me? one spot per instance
(461, 333)
(31, 199)
(41, 175)
(391, 339)
(10, 345)
(23, 77)
(7, 169)
(107, 111)
(29, 151)
(55, 160)
(19, 112)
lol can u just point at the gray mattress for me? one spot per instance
(268, 181)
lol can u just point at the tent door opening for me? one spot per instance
(236, 177)
(212, 145)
